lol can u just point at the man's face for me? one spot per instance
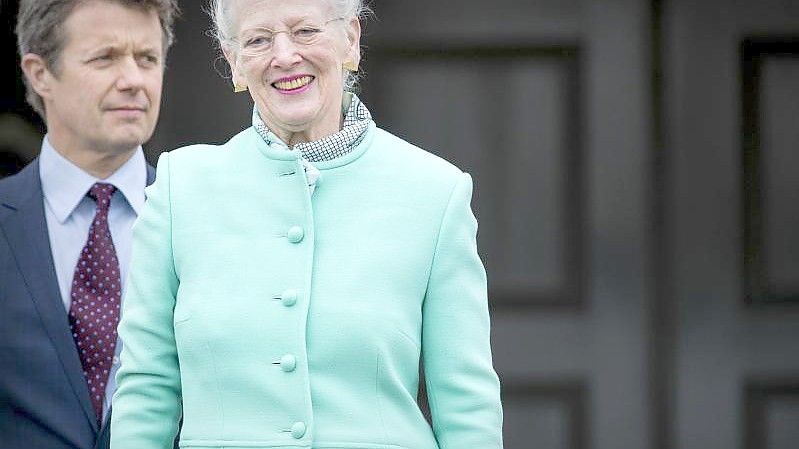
(105, 92)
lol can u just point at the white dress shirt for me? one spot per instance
(69, 214)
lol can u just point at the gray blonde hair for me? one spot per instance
(40, 30)
(221, 12)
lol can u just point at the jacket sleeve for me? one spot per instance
(462, 387)
(146, 406)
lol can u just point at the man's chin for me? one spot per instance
(121, 145)
(129, 137)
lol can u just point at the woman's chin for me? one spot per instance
(295, 124)
(307, 121)
(296, 113)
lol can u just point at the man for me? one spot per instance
(93, 70)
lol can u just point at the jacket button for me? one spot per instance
(289, 297)
(295, 234)
(288, 362)
(298, 430)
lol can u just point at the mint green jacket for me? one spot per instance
(272, 318)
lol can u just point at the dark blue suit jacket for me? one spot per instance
(44, 400)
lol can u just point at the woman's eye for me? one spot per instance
(306, 32)
(257, 41)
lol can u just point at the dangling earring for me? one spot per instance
(239, 87)
(346, 100)
(350, 65)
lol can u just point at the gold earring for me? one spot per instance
(350, 65)
(239, 87)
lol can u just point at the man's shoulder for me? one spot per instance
(25, 181)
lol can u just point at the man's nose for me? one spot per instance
(130, 75)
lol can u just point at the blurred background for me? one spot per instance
(637, 186)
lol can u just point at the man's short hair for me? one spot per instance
(40, 30)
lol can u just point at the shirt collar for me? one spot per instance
(64, 184)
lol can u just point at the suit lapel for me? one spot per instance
(25, 228)
(150, 174)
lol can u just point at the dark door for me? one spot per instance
(732, 83)
(546, 103)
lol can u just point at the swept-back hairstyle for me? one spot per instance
(223, 17)
(40, 30)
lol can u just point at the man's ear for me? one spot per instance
(37, 73)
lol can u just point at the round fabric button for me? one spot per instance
(295, 234)
(288, 362)
(298, 430)
(289, 297)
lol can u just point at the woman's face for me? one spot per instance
(297, 87)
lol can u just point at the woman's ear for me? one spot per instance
(239, 82)
(354, 40)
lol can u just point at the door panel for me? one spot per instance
(779, 182)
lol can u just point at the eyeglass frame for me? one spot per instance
(317, 29)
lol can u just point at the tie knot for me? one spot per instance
(101, 194)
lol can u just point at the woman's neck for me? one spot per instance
(293, 138)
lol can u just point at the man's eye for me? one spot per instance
(103, 58)
(149, 59)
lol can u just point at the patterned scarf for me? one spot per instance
(335, 145)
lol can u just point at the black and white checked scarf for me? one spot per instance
(335, 145)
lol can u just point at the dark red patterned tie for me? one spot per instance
(96, 295)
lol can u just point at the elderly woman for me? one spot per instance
(285, 285)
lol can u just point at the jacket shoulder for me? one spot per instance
(205, 154)
(8, 184)
(17, 186)
(201, 159)
(404, 156)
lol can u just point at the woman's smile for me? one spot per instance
(293, 84)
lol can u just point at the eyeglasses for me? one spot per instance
(259, 41)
